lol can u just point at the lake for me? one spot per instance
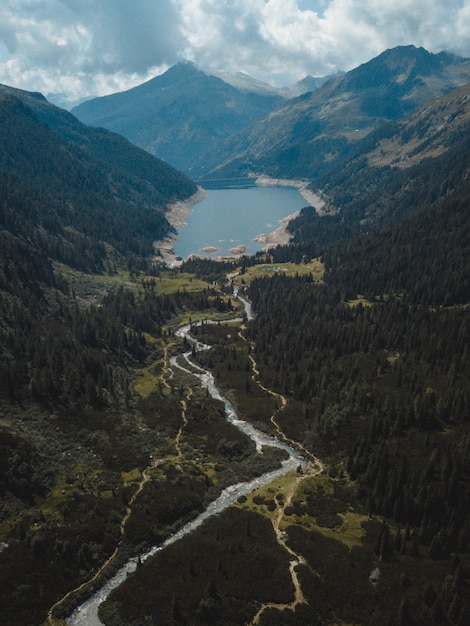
(232, 217)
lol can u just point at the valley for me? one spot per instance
(344, 341)
(88, 612)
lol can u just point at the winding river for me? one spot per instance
(87, 613)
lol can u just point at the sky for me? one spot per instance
(78, 49)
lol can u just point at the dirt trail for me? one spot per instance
(283, 403)
(179, 434)
(315, 466)
(297, 559)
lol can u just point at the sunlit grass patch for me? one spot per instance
(149, 379)
(133, 475)
(277, 490)
(323, 517)
(170, 282)
(392, 357)
(349, 533)
(314, 267)
(359, 300)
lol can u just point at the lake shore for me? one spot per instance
(178, 213)
(278, 237)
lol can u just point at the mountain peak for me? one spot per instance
(397, 73)
(181, 69)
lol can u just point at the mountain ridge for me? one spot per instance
(213, 129)
(110, 148)
(306, 133)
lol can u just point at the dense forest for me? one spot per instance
(377, 356)
(79, 213)
(69, 195)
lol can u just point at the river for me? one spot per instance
(87, 613)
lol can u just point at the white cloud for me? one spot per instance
(282, 40)
(463, 22)
(91, 47)
(86, 46)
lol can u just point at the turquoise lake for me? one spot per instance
(228, 218)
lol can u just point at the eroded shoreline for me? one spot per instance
(177, 215)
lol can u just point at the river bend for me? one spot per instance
(87, 613)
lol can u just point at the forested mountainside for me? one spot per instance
(79, 212)
(75, 200)
(306, 135)
(106, 192)
(371, 185)
(135, 174)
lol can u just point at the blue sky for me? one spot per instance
(84, 48)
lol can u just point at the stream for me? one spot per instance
(87, 613)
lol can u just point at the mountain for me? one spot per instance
(84, 183)
(402, 165)
(180, 116)
(244, 82)
(306, 134)
(401, 172)
(307, 84)
(109, 148)
(402, 169)
(234, 125)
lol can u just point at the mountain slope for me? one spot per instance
(403, 165)
(89, 183)
(108, 148)
(180, 116)
(309, 132)
(74, 233)
(427, 133)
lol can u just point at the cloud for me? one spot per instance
(286, 39)
(268, 39)
(92, 47)
(95, 44)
